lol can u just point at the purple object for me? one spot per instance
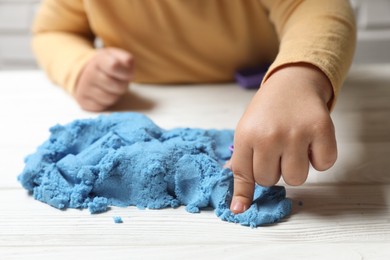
(251, 78)
(231, 148)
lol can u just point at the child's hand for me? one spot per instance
(104, 79)
(286, 126)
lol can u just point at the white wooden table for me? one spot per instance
(345, 212)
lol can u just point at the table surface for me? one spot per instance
(344, 213)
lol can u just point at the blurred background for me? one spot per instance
(16, 16)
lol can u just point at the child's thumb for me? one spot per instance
(124, 57)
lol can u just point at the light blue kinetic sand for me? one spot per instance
(124, 159)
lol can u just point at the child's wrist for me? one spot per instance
(311, 74)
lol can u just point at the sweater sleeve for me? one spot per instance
(318, 32)
(62, 40)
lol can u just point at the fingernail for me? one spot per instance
(237, 206)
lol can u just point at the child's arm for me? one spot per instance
(63, 44)
(287, 124)
(62, 40)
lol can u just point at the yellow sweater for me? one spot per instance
(194, 41)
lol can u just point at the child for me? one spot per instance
(287, 124)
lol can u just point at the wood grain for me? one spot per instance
(342, 213)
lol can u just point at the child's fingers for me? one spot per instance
(103, 97)
(89, 104)
(94, 98)
(323, 149)
(117, 63)
(295, 163)
(242, 161)
(123, 56)
(110, 84)
(266, 166)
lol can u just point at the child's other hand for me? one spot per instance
(286, 126)
(104, 79)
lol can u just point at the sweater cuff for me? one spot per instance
(286, 58)
(77, 67)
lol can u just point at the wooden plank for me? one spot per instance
(327, 214)
(339, 214)
(319, 251)
(322, 214)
